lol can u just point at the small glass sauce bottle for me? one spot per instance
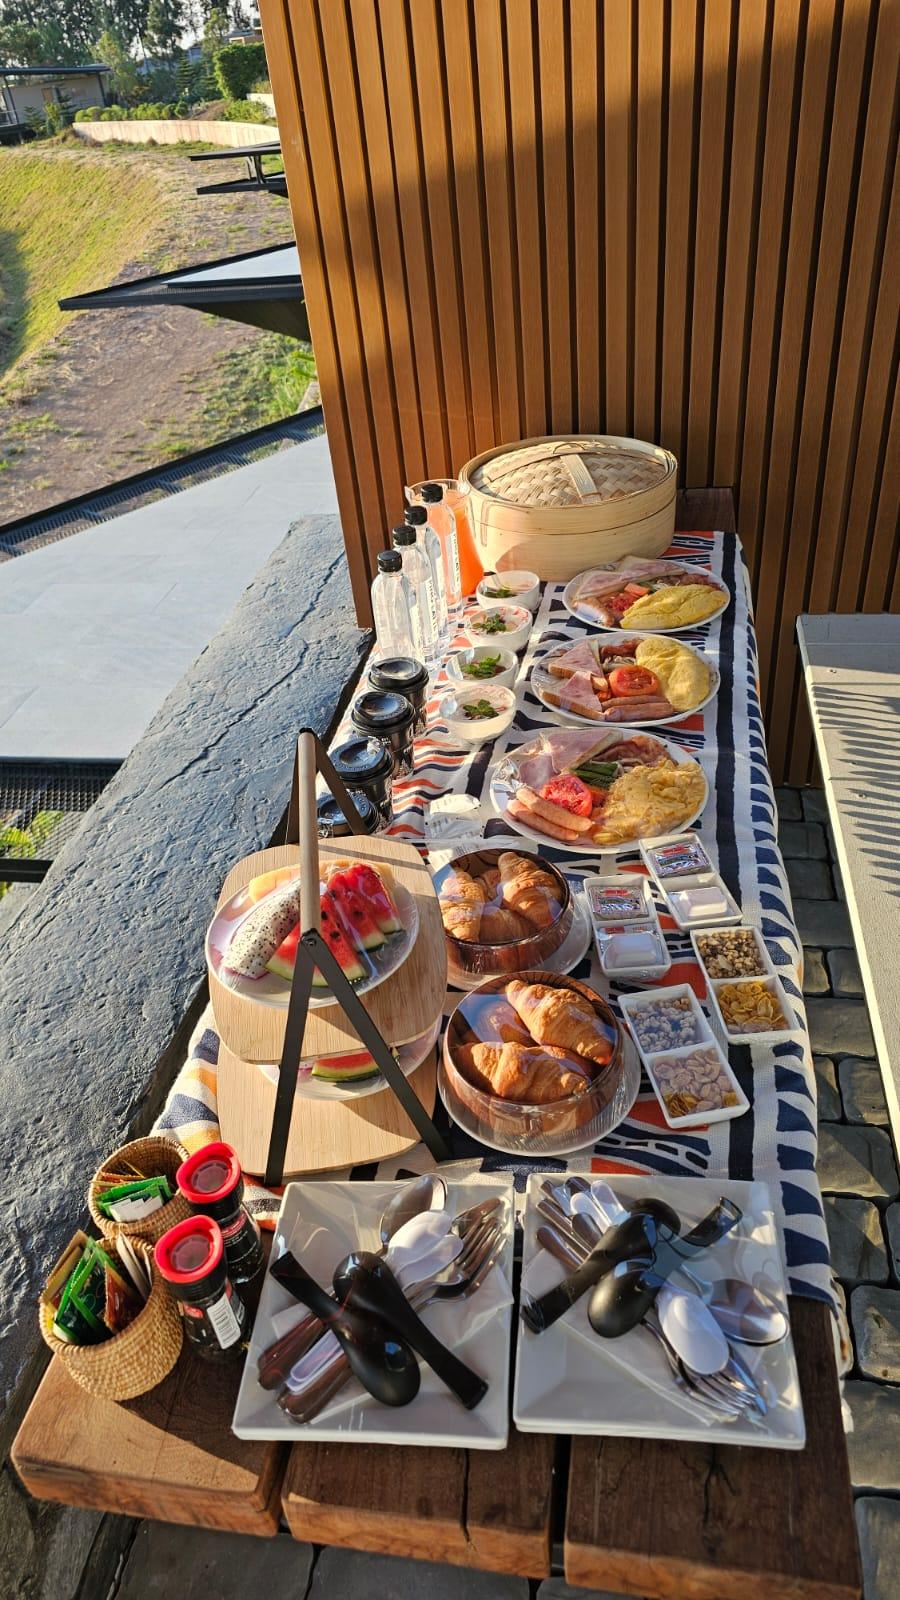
(212, 1183)
(191, 1258)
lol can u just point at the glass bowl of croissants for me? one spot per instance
(503, 910)
(537, 1064)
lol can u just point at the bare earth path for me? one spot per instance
(123, 390)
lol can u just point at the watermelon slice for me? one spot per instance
(356, 911)
(368, 883)
(346, 1069)
(283, 961)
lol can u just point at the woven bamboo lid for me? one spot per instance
(576, 471)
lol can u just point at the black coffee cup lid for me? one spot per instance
(398, 672)
(380, 708)
(330, 812)
(361, 758)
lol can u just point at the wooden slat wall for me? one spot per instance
(673, 218)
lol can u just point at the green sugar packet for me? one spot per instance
(136, 1198)
(93, 1299)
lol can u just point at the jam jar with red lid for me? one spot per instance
(212, 1183)
(191, 1258)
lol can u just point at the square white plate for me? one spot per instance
(570, 1381)
(320, 1221)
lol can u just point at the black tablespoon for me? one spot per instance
(383, 1363)
(366, 1284)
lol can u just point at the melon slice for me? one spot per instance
(265, 882)
(356, 911)
(346, 1069)
(369, 884)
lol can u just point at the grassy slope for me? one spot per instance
(67, 223)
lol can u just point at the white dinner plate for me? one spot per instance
(597, 722)
(273, 990)
(568, 1380)
(594, 622)
(502, 788)
(409, 1056)
(320, 1222)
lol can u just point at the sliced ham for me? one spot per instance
(576, 694)
(580, 657)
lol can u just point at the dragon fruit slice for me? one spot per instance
(260, 934)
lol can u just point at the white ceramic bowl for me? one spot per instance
(518, 620)
(507, 662)
(526, 587)
(477, 730)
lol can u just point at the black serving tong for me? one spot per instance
(639, 1253)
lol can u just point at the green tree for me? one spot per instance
(237, 68)
(166, 22)
(125, 80)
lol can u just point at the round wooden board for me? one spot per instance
(325, 1135)
(403, 1007)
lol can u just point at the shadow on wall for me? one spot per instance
(13, 284)
(867, 727)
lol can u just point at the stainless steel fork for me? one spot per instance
(461, 1279)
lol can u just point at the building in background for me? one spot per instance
(28, 91)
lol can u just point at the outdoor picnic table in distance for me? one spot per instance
(637, 1516)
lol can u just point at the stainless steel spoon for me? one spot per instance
(742, 1310)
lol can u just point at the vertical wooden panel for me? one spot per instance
(521, 216)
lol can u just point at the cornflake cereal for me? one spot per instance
(750, 1008)
(694, 1083)
(731, 954)
(664, 1024)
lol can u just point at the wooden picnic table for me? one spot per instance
(637, 1516)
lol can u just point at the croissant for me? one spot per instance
(523, 1073)
(500, 923)
(491, 881)
(562, 1017)
(490, 1016)
(528, 889)
(462, 898)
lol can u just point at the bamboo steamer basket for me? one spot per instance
(558, 505)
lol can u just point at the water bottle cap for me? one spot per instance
(416, 516)
(431, 493)
(389, 561)
(404, 535)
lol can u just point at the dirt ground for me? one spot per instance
(105, 399)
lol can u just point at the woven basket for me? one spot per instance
(154, 1157)
(558, 505)
(131, 1362)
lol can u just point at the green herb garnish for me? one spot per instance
(500, 593)
(487, 667)
(479, 708)
(493, 623)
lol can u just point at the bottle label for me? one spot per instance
(223, 1322)
(454, 576)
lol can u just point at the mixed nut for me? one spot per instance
(694, 1083)
(732, 953)
(664, 1024)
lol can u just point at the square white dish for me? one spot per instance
(765, 960)
(570, 1381)
(762, 1035)
(320, 1221)
(705, 1039)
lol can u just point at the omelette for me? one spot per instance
(673, 608)
(647, 801)
(683, 677)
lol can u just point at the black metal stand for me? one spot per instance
(313, 952)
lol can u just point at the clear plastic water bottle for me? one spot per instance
(394, 608)
(428, 541)
(442, 520)
(417, 568)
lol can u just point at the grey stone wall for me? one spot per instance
(103, 969)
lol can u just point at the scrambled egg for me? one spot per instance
(684, 678)
(673, 608)
(650, 800)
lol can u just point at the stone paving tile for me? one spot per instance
(856, 1161)
(875, 1314)
(809, 880)
(815, 976)
(788, 803)
(892, 1229)
(558, 1589)
(815, 808)
(166, 1561)
(829, 1100)
(858, 1251)
(839, 1027)
(874, 1444)
(878, 1526)
(846, 978)
(862, 1091)
(355, 1572)
(803, 841)
(823, 922)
